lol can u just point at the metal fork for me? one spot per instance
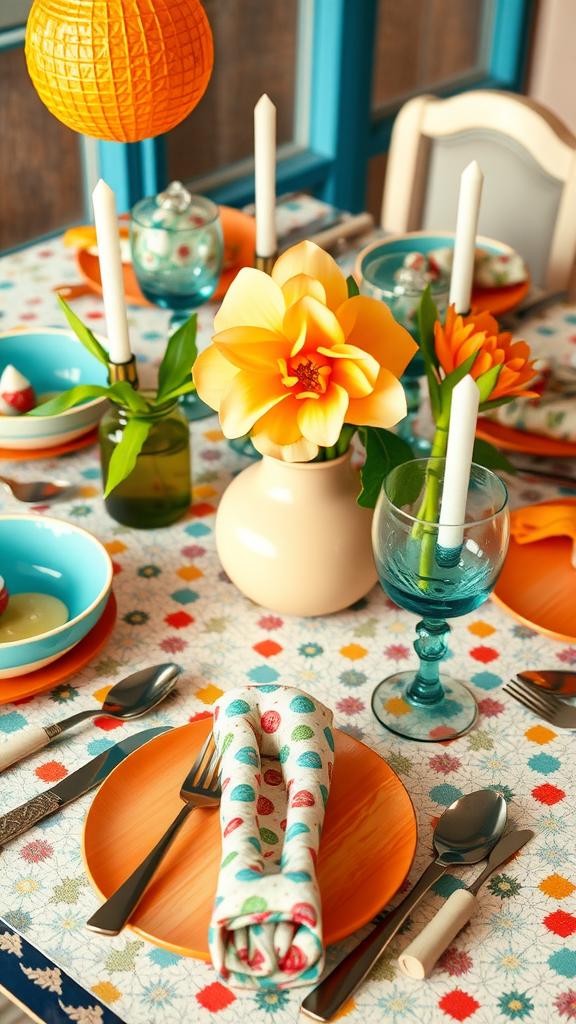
(201, 788)
(542, 703)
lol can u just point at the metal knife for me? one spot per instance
(559, 682)
(15, 822)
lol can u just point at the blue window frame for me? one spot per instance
(342, 132)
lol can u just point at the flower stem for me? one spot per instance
(428, 510)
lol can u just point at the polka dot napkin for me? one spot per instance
(277, 755)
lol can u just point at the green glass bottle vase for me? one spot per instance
(158, 490)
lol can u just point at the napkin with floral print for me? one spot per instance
(277, 755)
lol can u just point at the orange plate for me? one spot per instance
(499, 300)
(239, 244)
(367, 846)
(17, 687)
(537, 585)
(519, 441)
(24, 454)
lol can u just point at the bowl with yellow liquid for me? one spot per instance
(58, 578)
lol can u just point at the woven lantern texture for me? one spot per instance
(121, 70)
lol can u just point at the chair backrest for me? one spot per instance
(527, 156)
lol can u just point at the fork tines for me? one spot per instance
(542, 703)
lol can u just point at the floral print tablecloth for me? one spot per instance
(516, 961)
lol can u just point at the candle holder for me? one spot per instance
(124, 372)
(424, 704)
(265, 263)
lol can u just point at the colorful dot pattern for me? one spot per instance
(277, 755)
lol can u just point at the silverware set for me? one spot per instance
(541, 700)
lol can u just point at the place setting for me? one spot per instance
(287, 619)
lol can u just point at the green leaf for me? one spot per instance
(427, 314)
(484, 406)
(352, 287)
(179, 358)
(487, 382)
(123, 393)
(185, 389)
(485, 454)
(384, 450)
(81, 393)
(126, 452)
(83, 333)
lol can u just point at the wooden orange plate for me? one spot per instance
(17, 687)
(367, 846)
(239, 244)
(513, 440)
(537, 585)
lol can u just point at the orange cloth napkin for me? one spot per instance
(536, 522)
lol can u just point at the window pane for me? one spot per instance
(255, 46)
(422, 43)
(40, 161)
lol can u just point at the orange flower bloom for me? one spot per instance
(294, 358)
(462, 336)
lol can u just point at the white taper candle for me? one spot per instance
(108, 237)
(265, 175)
(465, 238)
(463, 416)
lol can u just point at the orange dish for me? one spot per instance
(239, 245)
(368, 840)
(513, 440)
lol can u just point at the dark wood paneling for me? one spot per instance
(40, 162)
(255, 52)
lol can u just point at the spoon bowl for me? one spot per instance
(468, 829)
(140, 692)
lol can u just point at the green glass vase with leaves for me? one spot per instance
(144, 437)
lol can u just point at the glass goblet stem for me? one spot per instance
(430, 646)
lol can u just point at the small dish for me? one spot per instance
(368, 841)
(495, 300)
(537, 585)
(49, 556)
(53, 360)
(15, 688)
(513, 440)
(28, 454)
(239, 245)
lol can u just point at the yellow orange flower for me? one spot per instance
(462, 336)
(294, 358)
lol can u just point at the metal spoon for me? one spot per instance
(465, 834)
(130, 698)
(36, 490)
(551, 679)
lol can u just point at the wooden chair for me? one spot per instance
(527, 155)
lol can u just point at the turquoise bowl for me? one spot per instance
(43, 555)
(53, 360)
(418, 241)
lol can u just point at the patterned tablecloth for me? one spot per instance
(517, 958)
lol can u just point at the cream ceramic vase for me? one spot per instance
(292, 537)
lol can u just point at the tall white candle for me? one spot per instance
(463, 416)
(465, 238)
(265, 175)
(108, 237)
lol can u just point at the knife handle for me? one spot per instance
(418, 959)
(24, 817)
(27, 742)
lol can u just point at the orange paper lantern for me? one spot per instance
(121, 70)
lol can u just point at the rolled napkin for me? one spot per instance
(277, 756)
(537, 522)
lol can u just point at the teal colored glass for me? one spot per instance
(435, 583)
(177, 259)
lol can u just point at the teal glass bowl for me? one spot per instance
(53, 360)
(43, 555)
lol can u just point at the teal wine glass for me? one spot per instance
(436, 583)
(177, 251)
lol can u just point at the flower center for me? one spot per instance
(306, 374)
